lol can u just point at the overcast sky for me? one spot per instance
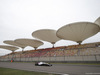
(19, 18)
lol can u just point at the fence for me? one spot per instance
(76, 58)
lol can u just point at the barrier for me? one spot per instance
(89, 58)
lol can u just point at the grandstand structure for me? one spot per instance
(74, 53)
(76, 32)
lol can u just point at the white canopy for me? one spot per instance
(97, 21)
(12, 48)
(29, 42)
(11, 42)
(78, 31)
(48, 35)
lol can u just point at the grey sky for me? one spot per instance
(19, 18)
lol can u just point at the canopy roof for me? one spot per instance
(12, 48)
(11, 42)
(78, 31)
(46, 35)
(29, 42)
(97, 21)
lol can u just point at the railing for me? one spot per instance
(74, 58)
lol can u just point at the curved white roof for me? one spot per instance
(97, 21)
(78, 31)
(12, 48)
(48, 35)
(11, 42)
(29, 42)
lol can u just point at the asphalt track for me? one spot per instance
(61, 69)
